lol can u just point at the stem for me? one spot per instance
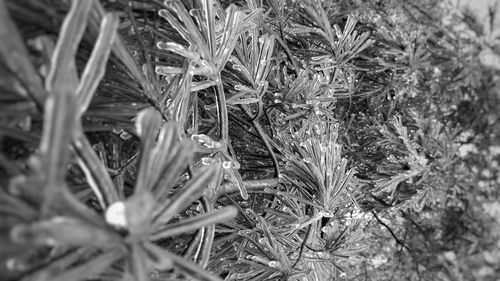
(398, 241)
(288, 54)
(304, 242)
(250, 185)
(264, 137)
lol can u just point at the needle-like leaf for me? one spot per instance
(194, 223)
(14, 54)
(188, 193)
(96, 66)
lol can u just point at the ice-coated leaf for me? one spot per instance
(178, 109)
(147, 125)
(234, 19)
(119, 48)
(58, 130)
(63, 231)
(187, 28)
(173, 166)
(138, 212)
(15, 56)
(95, 172)
(191, 191)
(158, 257)
(191, 224)
(208, 8)
(96, 66)
(92, 267)
(181, 50)
(138, 262)
(193, 270)
(63, 59)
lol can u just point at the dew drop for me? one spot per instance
(323, 147)
(125, 135)
(117, 131)
(227, 164)
(244, 232)
(15, 265)
(199, 208)
(206, 161)
(115, 214)
(274, 264)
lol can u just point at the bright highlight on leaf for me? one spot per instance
(115, 215)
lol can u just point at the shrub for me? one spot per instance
(247, 140)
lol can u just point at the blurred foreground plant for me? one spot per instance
(73, 241)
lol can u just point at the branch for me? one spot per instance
(390, 231)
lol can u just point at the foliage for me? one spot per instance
(247, 140)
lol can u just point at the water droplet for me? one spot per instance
(227, 164)
(207, 161)
(125, 135)
(323, 147)
(244, 232)
(274, 264)
(15, 265)
(117, 131)
(115, 214)
(262, 83)
(199, 208)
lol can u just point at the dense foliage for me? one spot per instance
(248, 140)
